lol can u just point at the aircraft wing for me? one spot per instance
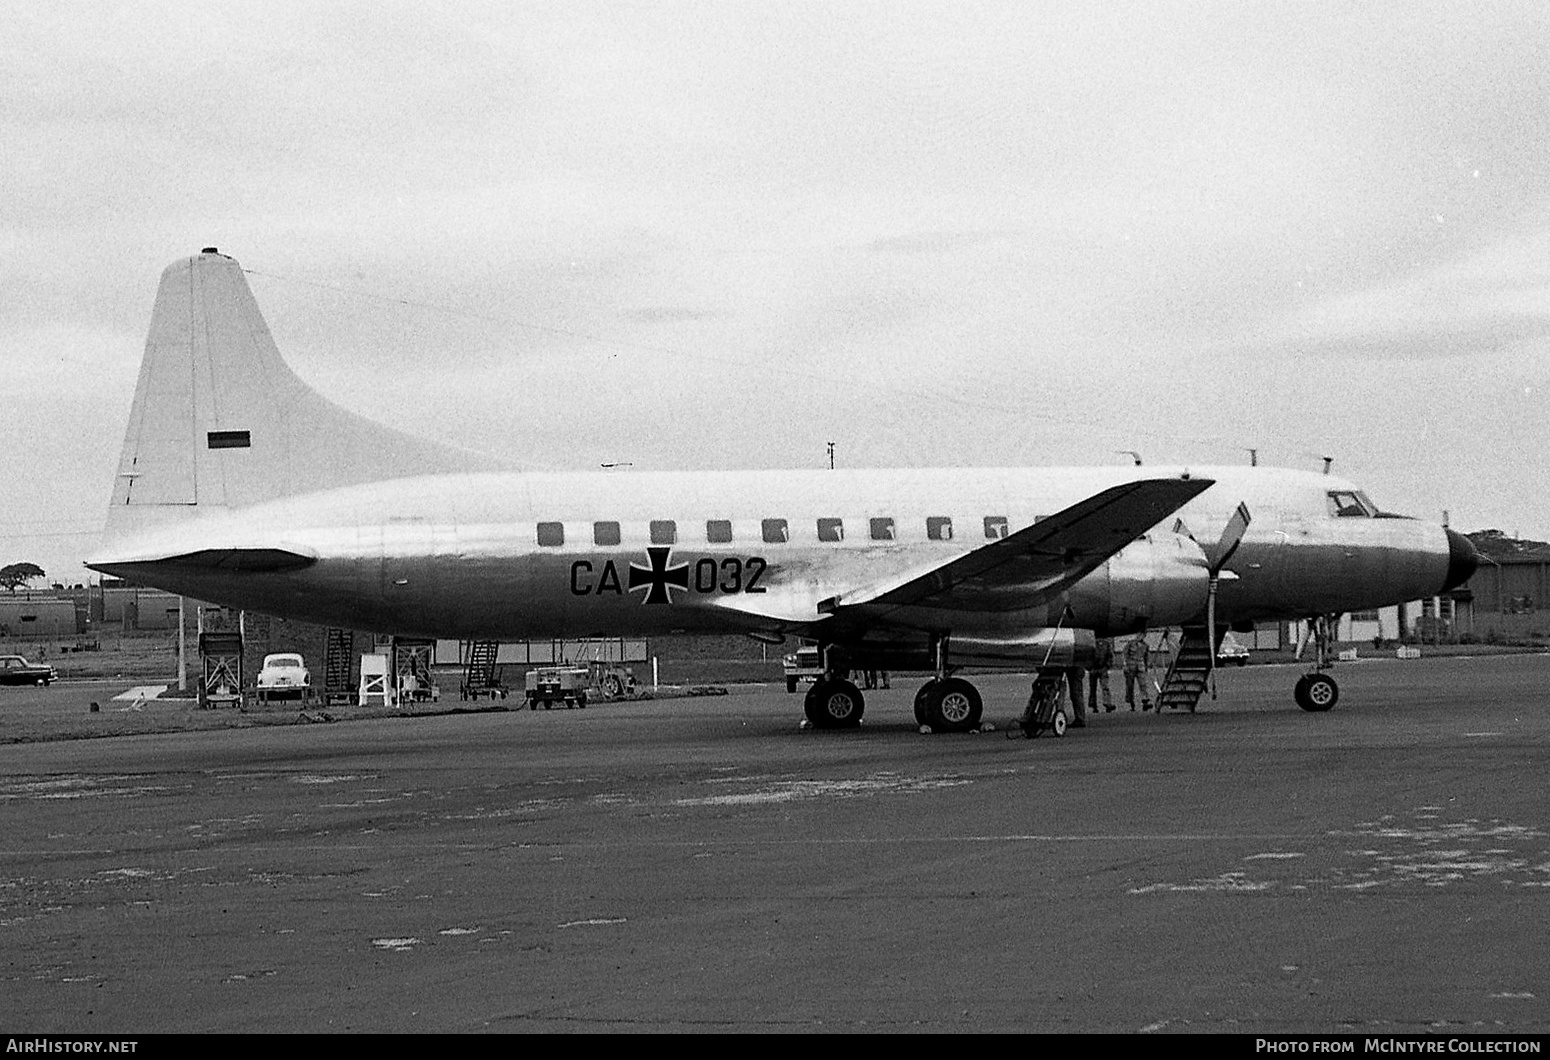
(1025, 569)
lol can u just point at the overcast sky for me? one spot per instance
(722, 234)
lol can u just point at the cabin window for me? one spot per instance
(718, 531)
(831, 529)
(664, 532)
(774, 531)
(551, 535)
(939, 528)
(995, 527)
(605, 533)
(882, 529)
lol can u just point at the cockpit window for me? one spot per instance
(1348, 503)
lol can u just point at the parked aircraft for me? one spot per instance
(241, 485)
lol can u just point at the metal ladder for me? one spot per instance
(1190, 671)
(481, 674)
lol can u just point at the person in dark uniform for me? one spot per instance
(1098, 675)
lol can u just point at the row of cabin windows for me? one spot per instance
(771, 531)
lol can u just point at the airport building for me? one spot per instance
(1506, 600)
(35, 615)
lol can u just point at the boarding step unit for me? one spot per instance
(338, 666)
(1190, 670)
(220, 658)
(481, 670)
(412, 678)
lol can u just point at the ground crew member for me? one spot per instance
(1076, 678)
(1135, 672)
(1098, 675)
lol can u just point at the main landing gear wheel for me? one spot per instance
(834, 704)
(1316, 693)
(949, 705)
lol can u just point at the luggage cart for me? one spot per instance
(1044, 713)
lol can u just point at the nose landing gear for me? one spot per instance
(1317, 692)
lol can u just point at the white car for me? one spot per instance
(283, 676)
(1231, 652)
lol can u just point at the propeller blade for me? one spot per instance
(1232, 536)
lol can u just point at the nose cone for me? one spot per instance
(1462, 560)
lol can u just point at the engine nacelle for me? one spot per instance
(1031, 648)
(1038, 647)
(1160, 579)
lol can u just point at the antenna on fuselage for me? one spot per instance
(1135, 456)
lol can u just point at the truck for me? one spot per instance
(804, 664)
(557, 684)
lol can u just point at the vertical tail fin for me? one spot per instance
(220, 421)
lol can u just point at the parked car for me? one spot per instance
(15, 670)
(1231, 653)
(283, 676)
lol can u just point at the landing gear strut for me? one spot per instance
(1317, 692)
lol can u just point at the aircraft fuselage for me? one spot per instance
(519, 555)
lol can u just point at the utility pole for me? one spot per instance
(831, 456)
(1253, 458)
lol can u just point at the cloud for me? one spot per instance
(1493, 299)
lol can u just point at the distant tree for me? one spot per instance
(1495, 543)
(18, 574)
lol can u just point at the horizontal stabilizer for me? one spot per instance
(245, 560)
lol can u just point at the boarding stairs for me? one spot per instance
(481, 672)
(1190, 670)
(338, 666)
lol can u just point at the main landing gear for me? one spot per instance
(834, 703)
(1317, 692)
(949, 704)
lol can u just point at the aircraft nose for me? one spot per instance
(1462, 559)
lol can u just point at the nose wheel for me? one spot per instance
(1316, 693)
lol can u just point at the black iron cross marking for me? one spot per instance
(659, 576)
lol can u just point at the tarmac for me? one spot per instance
(704, 864)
